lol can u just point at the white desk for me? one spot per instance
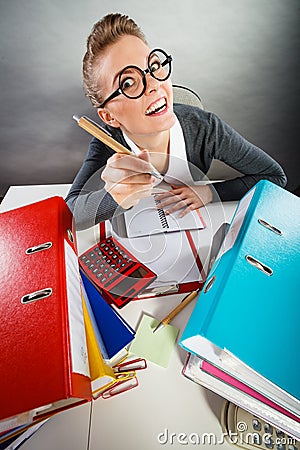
(166, 410)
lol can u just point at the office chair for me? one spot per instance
(186, 96)
(218, 169)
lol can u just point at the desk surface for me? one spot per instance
(166, 410)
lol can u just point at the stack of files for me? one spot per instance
(13, 439)
(244, 329)
(44, 366)
(102, 375)
(211, 377)
(108, 336)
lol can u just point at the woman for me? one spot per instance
(131, 88)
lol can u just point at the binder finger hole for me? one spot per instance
(37, 295)
(269, 227)
(259, 265)
(70, 235)
(38, 248)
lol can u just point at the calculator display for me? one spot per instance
(117, 273)
(140, 272)
(128, 282)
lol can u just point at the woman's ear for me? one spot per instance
(106, 116)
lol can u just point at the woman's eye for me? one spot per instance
(127, 83)
(156, 65)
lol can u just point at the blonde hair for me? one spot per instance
(104, 33)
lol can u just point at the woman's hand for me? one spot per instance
(186, 198)
(127, 178)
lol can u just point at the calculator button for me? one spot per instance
(92, 255)
(111, 281)
(129, 266)
(96, 270)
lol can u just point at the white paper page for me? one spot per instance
(75, 310)
(236, 224)
(147, 218)
(169, 255)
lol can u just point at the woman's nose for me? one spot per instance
(152, 84)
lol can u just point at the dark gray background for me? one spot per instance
(241, 56)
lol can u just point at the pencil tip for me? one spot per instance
(158, 327)
(75, 117)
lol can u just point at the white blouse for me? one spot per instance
(178, 170)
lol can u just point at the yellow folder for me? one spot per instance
(102, 375)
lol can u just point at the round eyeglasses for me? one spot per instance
(132, 79)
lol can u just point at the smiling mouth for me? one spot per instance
(157, 107)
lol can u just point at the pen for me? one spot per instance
(103, 135)
(176, 310)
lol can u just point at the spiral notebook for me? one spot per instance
(148, 218)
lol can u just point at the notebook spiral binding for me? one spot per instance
(161, 214)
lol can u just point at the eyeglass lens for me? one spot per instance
(132, 79)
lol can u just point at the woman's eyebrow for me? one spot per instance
(115, 78)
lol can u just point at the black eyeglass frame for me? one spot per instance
(143, 73)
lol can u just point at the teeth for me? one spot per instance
(156, 106)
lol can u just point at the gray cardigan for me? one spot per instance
(206, 137)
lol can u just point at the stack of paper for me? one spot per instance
(244, 330)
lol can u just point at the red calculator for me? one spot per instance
(119, 276)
